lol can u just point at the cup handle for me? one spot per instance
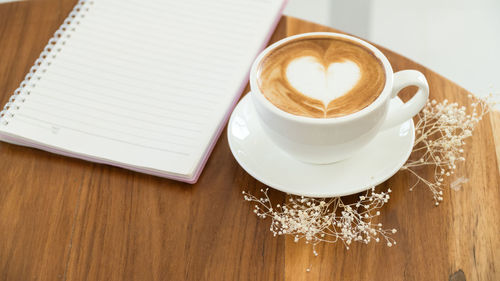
(403, 79)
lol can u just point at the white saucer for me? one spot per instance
(263, 160)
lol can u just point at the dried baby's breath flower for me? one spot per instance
(440, 131)
(326, 220)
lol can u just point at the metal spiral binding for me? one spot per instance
(50, 51)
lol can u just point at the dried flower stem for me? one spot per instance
(325, 220)
(440, 131)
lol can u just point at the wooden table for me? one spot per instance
(67, 219)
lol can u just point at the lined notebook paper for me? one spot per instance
(144, 85)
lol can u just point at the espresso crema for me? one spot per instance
(321, 77)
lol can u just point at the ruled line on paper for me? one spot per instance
(101, 136)
(195, 107)
(126, 78)
(200, 61)
(160, 64)
(113, 104)
(81, 120)
(169, 42)
(137, 31)
(216, 52)
(228, 7)
(125, 121)
(182, 9)
(161, 98)
(155, 120)
(177, 38)
(150, 78)
(138, 102)
(108, 84)
(95, 125)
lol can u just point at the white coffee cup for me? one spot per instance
(327, 140)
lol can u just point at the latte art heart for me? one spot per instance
(321, 76)
(312, 79)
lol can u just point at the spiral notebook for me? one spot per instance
(143, 85)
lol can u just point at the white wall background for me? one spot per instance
(459, 39)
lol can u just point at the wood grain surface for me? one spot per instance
(67, 219)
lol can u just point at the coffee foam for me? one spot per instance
(321, 77)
